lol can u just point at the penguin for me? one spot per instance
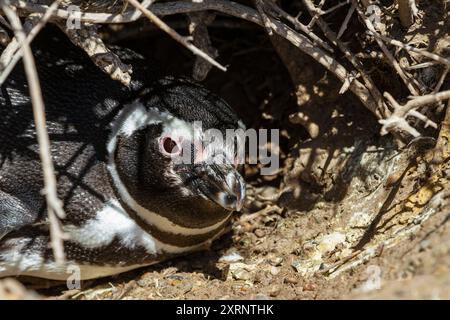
(129, 200)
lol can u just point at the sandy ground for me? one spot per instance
(369, 245)
(348, 216)
(309, 255)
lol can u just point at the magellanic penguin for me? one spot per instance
(128, 204)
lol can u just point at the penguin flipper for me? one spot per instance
(14, 214)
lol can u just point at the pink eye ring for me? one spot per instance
(169, 146)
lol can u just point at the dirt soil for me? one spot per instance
(348, 215)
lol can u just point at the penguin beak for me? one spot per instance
(222, 184)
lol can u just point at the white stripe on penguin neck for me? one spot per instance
(133, 117)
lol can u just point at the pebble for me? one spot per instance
(231, 257)
(309, 287)
(425, 244)
(259, 233)
(242, 274)
(274, 271)
(259, 278)
(145, 282)
(274, 291)
(275, 261)
(290, 280)
(178, 277)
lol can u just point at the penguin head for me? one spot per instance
(166, 158)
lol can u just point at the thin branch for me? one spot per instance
(260, 6)
(87, 38)
(159, 9)
(300, 26)
(376, 94)
(317, 12)
(427, 99)
(138, 13)
(407, 10)
(407, 47)
(54, 205)
(198, 28)
(346, 20)
(421, 65)
(408, 82)
(397, 121)
(182, 40)
(10, 63)
(441, 80)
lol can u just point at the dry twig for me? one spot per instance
(408, 82)
(407, 47)
(381, 110)
(397, 121)
(182, 40)
(89, 40)
(346, 20)
(407, 10)
(54, 205)
(198, 28)
(7, 63)
(261, 6)
(299, 26)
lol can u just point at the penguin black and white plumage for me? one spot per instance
(127, 203)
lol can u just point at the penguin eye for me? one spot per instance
(170, 146)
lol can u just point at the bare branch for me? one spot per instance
(54, 205)
(408, 82)
(199, 22)
(427, 99)
(407, 10)
(441, 80)
(89, 40)
(299, 26)
(9, 63)
(376, 94)
(407, 47)
(346, 20)
(260, 6)
(397, 121)
(182, 40)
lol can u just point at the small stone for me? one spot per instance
(258, 277)
(261, 296)
(177, 277)
(275, 261)
(274, 271)
(141, 283)
(425, 244)
(290, 280)
(231, 257)
(309, 287)
(242, 274)
(259, 233)
(274, 291)
(297, 265)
